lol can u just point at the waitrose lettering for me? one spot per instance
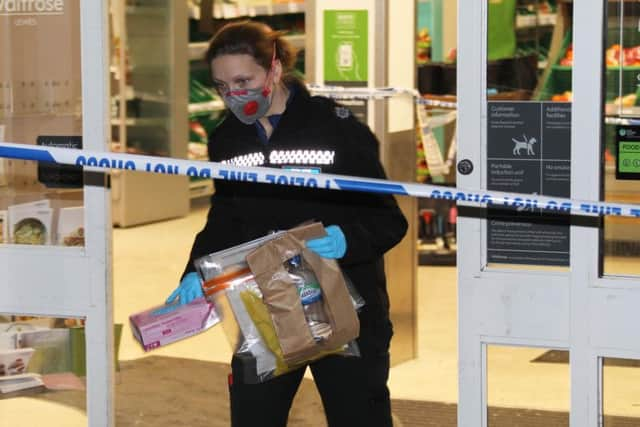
(23, 7)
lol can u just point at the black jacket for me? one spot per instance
(312, 130)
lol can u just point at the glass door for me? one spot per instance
(514, 296)
(55, 308)
(605, 281)
(518, 289)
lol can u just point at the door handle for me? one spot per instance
(465, 166)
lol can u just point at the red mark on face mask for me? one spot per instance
(250, 108)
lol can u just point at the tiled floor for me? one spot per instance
(148, 261)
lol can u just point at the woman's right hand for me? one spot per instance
(189, 289)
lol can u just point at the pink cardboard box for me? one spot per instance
(163, 324)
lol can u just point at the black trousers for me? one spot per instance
(353, 389)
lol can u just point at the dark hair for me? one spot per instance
(254, 39)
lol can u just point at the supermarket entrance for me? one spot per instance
(544, 298)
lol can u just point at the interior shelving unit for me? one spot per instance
(535, 21)
(149, 100)
(162, 103)
(556, 78)
(621, 76)
(244, 8)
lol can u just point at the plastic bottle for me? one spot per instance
(311, 297)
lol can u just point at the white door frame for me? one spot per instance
(76, 282)
(495, 306)
(96, 136)
(574, 310)
(605, 311)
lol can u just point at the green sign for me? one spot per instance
(628, 152)
(346, 45)
(629, 157)
(501, 33)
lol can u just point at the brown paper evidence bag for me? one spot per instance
(281, 298)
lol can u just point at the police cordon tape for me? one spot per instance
(93, 160)
(366, 93)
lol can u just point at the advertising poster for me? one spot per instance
(40, 89)
(346, 51)
(528, 151)
(60, 176)
(346, 46)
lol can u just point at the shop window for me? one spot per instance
(41, 104)
(436, 120)
(529, 70)
(527, 386)
(42, 371)
(621, 235)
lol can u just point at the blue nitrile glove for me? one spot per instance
(189, 289)
(166, 309)
(334, 245)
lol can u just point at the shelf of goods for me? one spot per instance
(197, 50)
(533, 34)
(619, 75)
(622, 63)
(240, 9)
(205, 113)
(148, 107)
(535, 20)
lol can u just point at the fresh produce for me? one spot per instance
(563, 97)
(630, 56)
(423, 46)
(626, 101)
(568, 57)
(615, 56)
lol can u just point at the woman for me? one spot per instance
(276, 123)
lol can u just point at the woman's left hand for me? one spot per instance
(334, 245)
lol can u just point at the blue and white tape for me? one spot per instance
(162, 165)
(367, 93)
